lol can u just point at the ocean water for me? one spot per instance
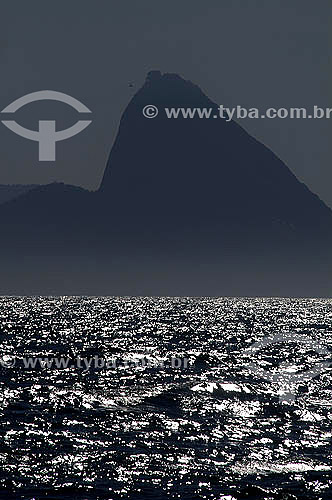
(182, 407)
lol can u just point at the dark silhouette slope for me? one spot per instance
(10, 192)
(186, 207)
(208, 168)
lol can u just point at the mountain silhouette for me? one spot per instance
(10, 192)
(186, 207)
(204, 167)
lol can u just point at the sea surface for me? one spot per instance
(178, 411)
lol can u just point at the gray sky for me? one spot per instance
(253, 53)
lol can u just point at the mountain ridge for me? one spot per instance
(196, 206)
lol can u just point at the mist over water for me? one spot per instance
(209, 430)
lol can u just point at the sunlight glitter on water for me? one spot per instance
(212, 430)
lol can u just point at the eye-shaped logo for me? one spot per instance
(46, 136)
(288, 377)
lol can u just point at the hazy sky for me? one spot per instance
(255, 53)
